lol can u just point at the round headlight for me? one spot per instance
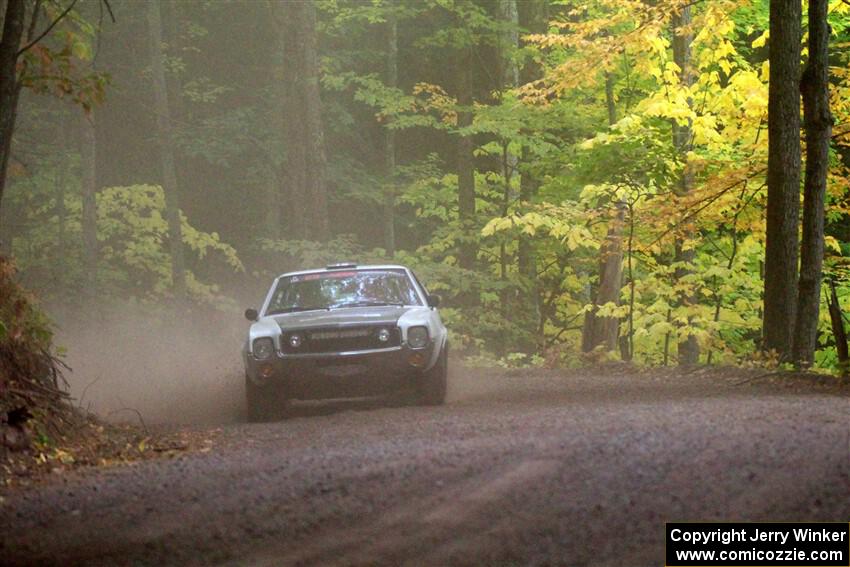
(295, 341)
(263, 348)
(417, 337)
(384, 335)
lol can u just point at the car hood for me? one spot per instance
(387, 315)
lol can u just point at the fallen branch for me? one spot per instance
(134, 410)
(85, 390)
(756, 377)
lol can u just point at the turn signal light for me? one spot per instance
(416, 359)
(266, 371)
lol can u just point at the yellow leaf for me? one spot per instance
(832, 244)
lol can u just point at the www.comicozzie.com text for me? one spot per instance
(726, 536)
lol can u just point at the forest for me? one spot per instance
(581, 181)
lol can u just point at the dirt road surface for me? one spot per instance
(522, 468)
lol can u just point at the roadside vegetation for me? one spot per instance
(31, 381)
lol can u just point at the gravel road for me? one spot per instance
(522, 468)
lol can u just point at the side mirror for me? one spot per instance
(433, 300)
(251, 314)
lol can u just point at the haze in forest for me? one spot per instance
(580, 183)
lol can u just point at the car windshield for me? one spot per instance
(340, 289)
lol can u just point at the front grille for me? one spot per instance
(340, 339)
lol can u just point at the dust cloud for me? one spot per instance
(169, 368)
(185, 367)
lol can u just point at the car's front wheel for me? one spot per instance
(263, 403)
(433, 384)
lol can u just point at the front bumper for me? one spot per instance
(339, 375)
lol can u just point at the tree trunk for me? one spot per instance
(688, 346)
(295, 131)
(783, 177)
(818, 123)
(610, 103)
(13, 30)
(389, 146)
(465, 163)
(627, 343)
(275, 184)
(88, 159)
(305, 144)
(508, 79)
(60, 209)
(604, 330)
(509, 43)
(272, 217)
(166, 150)
(532, 16)
(170, 18)
(316, 158)
(838, 331)
(170, 14)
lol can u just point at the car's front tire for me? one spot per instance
(263, 403)
(433, 383)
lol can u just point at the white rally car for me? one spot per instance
(344, 331)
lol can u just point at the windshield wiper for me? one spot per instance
(294, 309)
(366, 304)
(337, 306)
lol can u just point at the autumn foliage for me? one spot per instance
(31, 384)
